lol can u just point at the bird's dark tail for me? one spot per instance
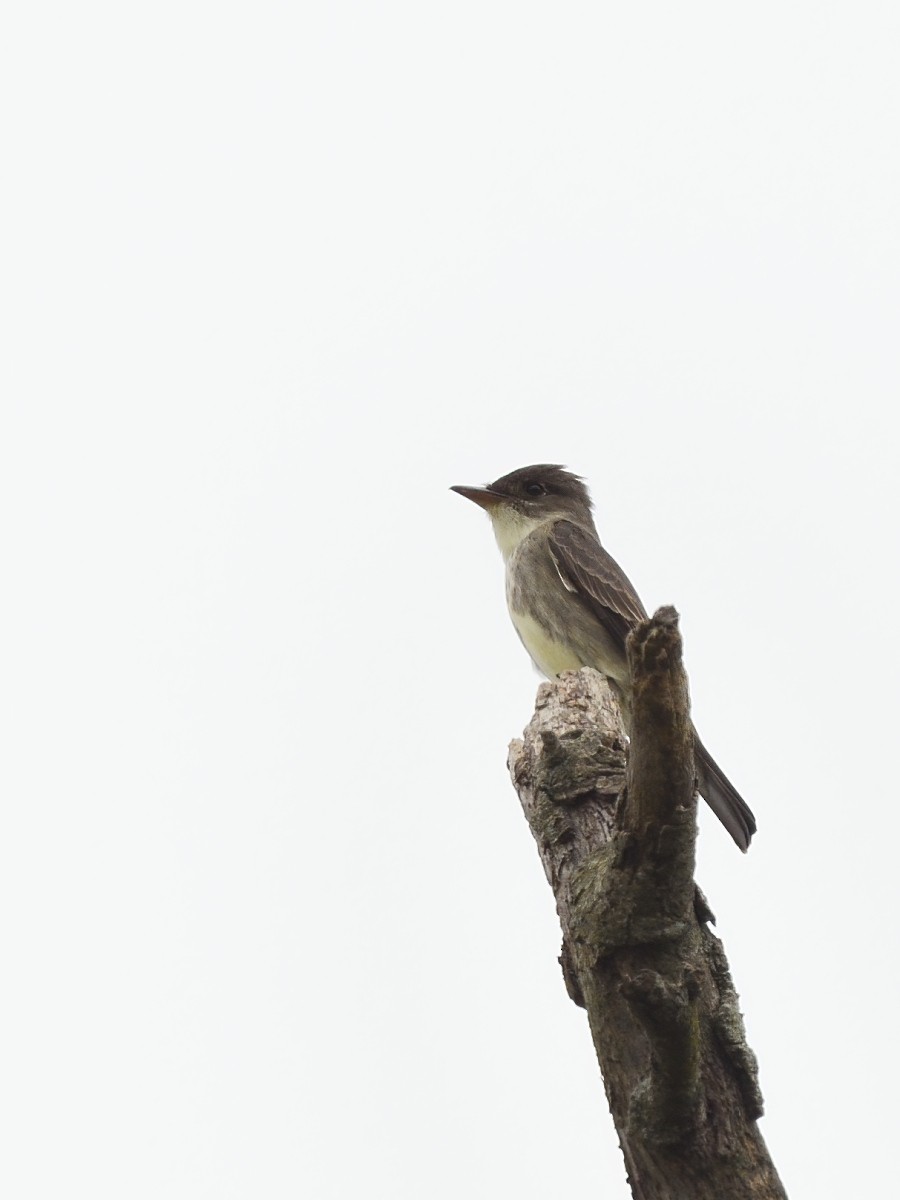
(722, 796)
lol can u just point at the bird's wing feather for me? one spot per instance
(586, 569)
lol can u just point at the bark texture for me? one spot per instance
(617, 844)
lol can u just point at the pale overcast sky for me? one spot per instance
(274, 277)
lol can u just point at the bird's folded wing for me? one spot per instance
(586, 569)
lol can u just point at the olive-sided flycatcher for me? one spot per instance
(572, 604)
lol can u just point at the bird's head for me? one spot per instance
(520, 501)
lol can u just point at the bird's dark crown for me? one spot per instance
(543, 486)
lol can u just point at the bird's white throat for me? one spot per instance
(511, 527)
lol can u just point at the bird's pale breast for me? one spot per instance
(548, 655)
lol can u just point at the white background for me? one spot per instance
(274, 276)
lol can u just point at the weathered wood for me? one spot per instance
(638, 953)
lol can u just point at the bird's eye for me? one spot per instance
(535, 489)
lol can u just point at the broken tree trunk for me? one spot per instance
(617, 846)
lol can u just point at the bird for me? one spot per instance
(573, 606)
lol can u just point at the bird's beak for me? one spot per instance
(481, 496)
